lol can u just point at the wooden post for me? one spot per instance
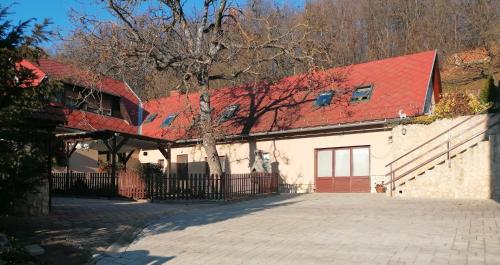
(113, 161)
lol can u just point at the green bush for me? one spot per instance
(489, 92)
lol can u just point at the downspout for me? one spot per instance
(139, 110)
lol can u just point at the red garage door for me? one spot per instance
(345, 169)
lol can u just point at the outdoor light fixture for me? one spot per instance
(403, 130)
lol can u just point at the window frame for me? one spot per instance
(351, 164)
(370, 86)
(172, 117)
(330, 95)
(148, 119)
(223, 117)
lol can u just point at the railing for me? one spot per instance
(439, 148)
(166, 186)
(211, 187)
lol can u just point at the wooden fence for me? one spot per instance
(211, 187)
(165, 186)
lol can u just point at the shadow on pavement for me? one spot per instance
(136, 257)
(217, 214)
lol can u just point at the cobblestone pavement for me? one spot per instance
(78, 227)
(324, 229)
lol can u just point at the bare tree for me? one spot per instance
(194, 47)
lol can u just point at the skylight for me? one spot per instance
(324, 99)
(229, 113)
(362, 93)
(150, 118)
(168, 120)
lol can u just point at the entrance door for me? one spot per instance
(182, 166)
(345, 169)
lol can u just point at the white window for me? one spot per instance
(361, 161)
(342, 163)
(324, 163)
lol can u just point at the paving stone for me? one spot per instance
(327, 229)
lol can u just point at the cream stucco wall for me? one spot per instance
(83, 161)
(292, 158)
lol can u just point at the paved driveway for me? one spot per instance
(78, 227)
(324, 229)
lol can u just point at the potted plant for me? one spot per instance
(380, 187)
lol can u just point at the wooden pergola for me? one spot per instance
(115, 143)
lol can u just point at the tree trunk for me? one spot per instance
(209, 142)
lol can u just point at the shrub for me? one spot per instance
(459, 104)
(489, 93)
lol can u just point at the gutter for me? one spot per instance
(299, 130)
(139, 110)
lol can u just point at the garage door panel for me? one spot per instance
(324, 185)
(360, 184)
(341, 184)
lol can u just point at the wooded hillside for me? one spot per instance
(331, 33)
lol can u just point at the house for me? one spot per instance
(327, 131)
(89, 104)
(323, 131)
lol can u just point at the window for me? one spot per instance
(324, 99)
(342, 163)
(161, 163)
(228, 113)
(362, 93)
(324, 163)
(168, 120)
(150, 118)
(361, 162)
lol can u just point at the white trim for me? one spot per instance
(139, 109)
(429, 83)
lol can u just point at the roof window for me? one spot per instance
(150, 118)
(168, 120)
(228, 113)
(324, 99)
(362, 93)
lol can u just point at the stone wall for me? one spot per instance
(36, 203)
(472, 171)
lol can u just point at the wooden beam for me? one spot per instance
(121, 144)
(73, 149)
(163, 152)
(127, 157)
(107, 145)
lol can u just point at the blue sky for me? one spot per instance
(57, 11)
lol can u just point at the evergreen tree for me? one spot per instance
(489, 93)
(23, 140)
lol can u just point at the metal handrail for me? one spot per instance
(430, 140)
(440, 154)
(435, 147)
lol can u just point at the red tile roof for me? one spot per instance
(88, 121)
(399, 83)
(70, 74)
